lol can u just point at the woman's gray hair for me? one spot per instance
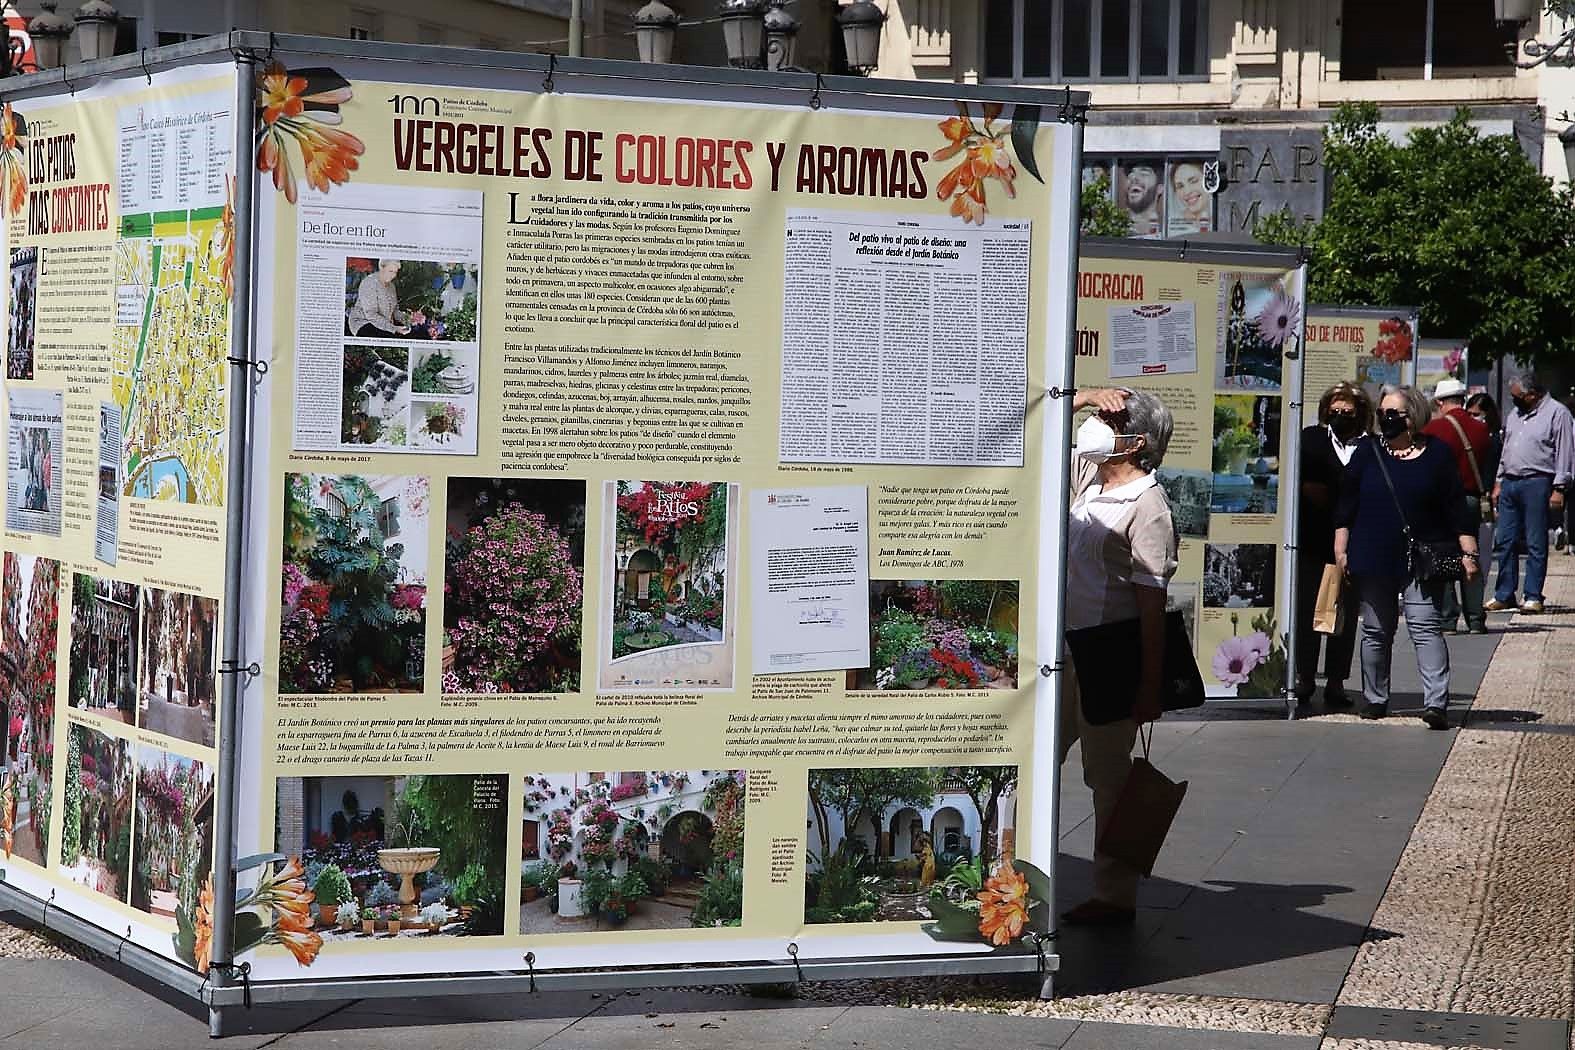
(384, 262)
(1147, 416)
(1418, 410)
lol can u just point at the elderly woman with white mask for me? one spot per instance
(1121, 554)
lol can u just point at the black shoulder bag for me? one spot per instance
(1435, 561)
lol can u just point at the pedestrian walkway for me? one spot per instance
(1330, 884)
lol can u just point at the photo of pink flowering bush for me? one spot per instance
(514, 569)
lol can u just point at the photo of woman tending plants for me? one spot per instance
(513, 584)
(95, 819)
(390, 856)
(354, 584)
(636, 850)
(941, 634)
(29, 625)
(884, 843)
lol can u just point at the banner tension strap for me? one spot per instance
(792, 950)
(251, 670)
(261, 367)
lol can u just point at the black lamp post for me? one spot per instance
(861, 24)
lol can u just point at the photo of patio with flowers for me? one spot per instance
(941, 634)
(645, 850)
(513, 584)
(397, 856)
(172, 854)
(354, 584)
(29, 625)
(95, 820)
(884, 843)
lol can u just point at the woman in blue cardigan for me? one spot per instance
(1370, 547)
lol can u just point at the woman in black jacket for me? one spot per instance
(1345, 418)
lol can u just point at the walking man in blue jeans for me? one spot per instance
(1533, 473)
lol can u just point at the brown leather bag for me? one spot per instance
(1144, 812)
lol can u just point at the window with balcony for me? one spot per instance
(1121, 41)
(1424, 40)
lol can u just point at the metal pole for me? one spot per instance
(235, 536)
(576, 28)
(1056, 468)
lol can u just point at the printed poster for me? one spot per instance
(1372, 347)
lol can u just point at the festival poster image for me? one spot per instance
(36, 455)
(670, 555)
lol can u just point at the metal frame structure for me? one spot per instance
(227, 985)
(1226, 254)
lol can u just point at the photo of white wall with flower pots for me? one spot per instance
(634, 850)
(398, 856)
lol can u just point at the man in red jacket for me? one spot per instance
(1468, 438)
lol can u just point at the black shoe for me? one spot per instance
(1336, 696)
(1480, 628)
(1436, 718)
(1375, 711)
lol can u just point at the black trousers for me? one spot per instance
(1338, 648)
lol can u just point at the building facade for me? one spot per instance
(1208, 114)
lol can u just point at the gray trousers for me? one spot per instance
(1380, 598)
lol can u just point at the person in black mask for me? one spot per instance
(1401, 489)
(1345, 417)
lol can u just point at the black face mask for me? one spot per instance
(1344, 425)
(1391, 424)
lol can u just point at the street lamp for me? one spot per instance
(655, 25)
(861, 25)
(96, 24)
(49, 31)
(781, 35)
(743, 24)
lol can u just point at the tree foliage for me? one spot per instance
(856, 793)
(1458, 223)
(1098, 213)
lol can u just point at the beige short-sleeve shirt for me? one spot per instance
(1115, 539)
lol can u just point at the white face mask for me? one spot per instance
(1095, 440)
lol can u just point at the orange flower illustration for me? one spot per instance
(985, 156)
(296, 934)
(8, 813)
(225, 239)
(303, 104)
(204, 932)
(1003, 906)
(13, 139)
(285, 892)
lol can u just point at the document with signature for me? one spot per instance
(809, 579)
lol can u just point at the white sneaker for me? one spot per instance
(1560, 540)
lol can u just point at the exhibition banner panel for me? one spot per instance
(1440, 359)
(1371, 346)
(119, 233)
(648, 518)
(1216, 335)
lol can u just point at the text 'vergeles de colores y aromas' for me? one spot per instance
(68, 206)
(457, 147)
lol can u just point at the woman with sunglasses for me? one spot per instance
(1401, 482)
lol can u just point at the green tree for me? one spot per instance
(1098, 213)
(854, 794)
(986, 786)
(1458, 223)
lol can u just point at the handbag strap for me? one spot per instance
(1471, 455)
(1383, 468)
(1147, 739)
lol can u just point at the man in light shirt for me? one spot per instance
(1533, 475)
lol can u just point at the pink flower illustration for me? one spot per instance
(1236, 657)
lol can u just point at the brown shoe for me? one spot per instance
(1494, 605)
(1095, 912)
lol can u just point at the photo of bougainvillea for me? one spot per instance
(513, 584)
(353, 618)
(29, 627)
(635, 850)
(669, 571)
(941, 634)
(173, 852)
(95, 819)
(906, 842)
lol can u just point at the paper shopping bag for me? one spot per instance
(1329, 611)
(1142, 818)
